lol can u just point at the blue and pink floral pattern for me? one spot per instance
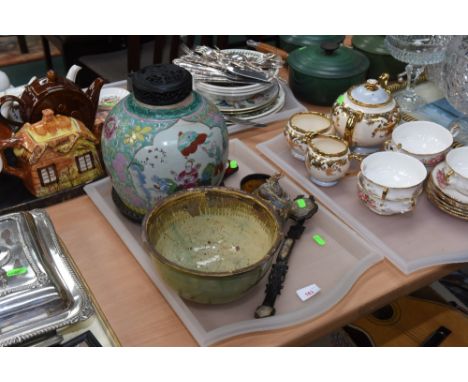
(150, 152)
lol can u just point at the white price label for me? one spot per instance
(308, 292)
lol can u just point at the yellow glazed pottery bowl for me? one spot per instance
(212, 244)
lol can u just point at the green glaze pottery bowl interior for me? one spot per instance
(212, 244)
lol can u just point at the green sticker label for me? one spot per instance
(17, 271)
(340, 99)
(301, 203)
(319, 240)
(233, 164)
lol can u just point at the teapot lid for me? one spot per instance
(161, 84)
(369, 94)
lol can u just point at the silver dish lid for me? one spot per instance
(39, 289)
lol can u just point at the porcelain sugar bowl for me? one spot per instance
(303, 125)
(162, 138)
(366, 115)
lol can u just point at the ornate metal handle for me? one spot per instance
(280, 268)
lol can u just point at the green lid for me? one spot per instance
(297, 41)
(370, 44)
(328, 61)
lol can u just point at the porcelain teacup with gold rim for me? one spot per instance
(393, 176)
(382, 206)
(426, 141)
(456, 169)
(327, 159)
(303, 125)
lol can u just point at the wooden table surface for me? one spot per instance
(138, 312)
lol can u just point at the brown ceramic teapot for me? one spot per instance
(60, 94)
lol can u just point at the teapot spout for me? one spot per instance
(72, 72)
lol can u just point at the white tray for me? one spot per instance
(422, 238)
(334, 267)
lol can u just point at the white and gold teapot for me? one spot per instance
(366, 115)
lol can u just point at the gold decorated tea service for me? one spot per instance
(327, 159)
(426, 141)
(302, 125)
(395, 158)
(311, 139)
(390, 183)
(365, 115)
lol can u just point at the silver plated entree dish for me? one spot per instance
(39, 290)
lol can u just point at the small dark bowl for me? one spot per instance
(251, 182)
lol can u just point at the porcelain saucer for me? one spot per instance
(438, 179)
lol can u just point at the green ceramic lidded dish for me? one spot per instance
(319, 74)
(380, 59)
(292, 42)
(212, 244)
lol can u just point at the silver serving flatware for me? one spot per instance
(240, 121)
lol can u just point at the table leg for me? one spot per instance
(47, 55)
(22, 44)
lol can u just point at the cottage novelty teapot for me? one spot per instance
(54, 154)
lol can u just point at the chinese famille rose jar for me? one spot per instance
(162, 138)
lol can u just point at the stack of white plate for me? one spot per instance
(247, 102)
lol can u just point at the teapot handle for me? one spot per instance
(11, 142)
(353, 118)
(11, 98)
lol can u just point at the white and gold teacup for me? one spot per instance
(382, 206)
(393, 176)
(426, 141)
(327, 159)
(303, 125)
(456, 169)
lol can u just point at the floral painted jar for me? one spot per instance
(162, 138)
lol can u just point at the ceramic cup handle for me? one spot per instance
(454, 181)
(9, 99)
(450, 179)
(455, 129)
(307, 137)
(384, 193)
(391, 146)
(355, 156)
